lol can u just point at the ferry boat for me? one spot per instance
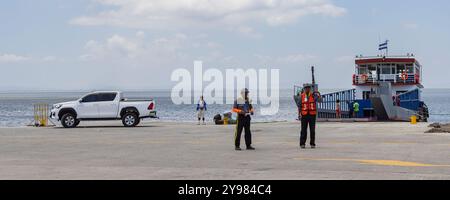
(387, 88)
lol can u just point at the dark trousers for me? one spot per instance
(243, 122)
(311, 121)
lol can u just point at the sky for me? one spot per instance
(137, 44)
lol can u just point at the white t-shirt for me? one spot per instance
(201, 103)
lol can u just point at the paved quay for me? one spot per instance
(159, 150)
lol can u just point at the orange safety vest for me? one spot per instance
(308, 105)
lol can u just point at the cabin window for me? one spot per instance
(362, 70)
(372, 68)
(409, 68)
(386, 69)
(372, 71)
(400, 68)
(417, 67)
(366, 95)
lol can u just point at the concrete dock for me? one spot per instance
(158, 150)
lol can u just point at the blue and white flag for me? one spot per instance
(383, 45)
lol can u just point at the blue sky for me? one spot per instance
(136, 44)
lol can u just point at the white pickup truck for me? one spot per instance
(103, 106)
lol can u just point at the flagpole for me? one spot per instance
(379, 42)
(387, 48)
(384, 46)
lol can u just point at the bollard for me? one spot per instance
(225, 120)
(413, 119)
(40, 114)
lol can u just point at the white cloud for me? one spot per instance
(87, 57)
(249, 32)
(288, 59)
(12, 58)
(140, 34)
(213, 45)
(410, 26)
(114, 47)
(136, 48)
(296, 58)
(234, 14)
(50, 59)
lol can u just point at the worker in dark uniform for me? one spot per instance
(244, 109)
(307, 105)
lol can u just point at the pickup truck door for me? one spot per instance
(108, 105)
(87, 108)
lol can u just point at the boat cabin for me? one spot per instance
(404, 73)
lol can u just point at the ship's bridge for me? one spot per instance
(399, 70)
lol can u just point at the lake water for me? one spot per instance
(16, 109)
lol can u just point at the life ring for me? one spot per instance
(364, 77)
(404, 76)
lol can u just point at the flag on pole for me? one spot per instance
(383, 45)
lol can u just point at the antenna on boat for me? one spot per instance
(314, 85)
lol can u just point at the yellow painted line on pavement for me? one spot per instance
(396, 163)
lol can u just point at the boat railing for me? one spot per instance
(361, 79)
(390, 56)
(327, 108)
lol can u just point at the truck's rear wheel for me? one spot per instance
(69, 120)
(130, 119)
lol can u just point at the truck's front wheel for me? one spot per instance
(130, 119)
(69, 120)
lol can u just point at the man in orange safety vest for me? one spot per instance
(307, 105)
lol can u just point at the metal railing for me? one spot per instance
(327, 108)
(382, 56)
(361, 79)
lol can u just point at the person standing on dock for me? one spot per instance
(350, 107)
(244, 108)
(355, 109)
(201, 108)
(338, 109)
(307, 105)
